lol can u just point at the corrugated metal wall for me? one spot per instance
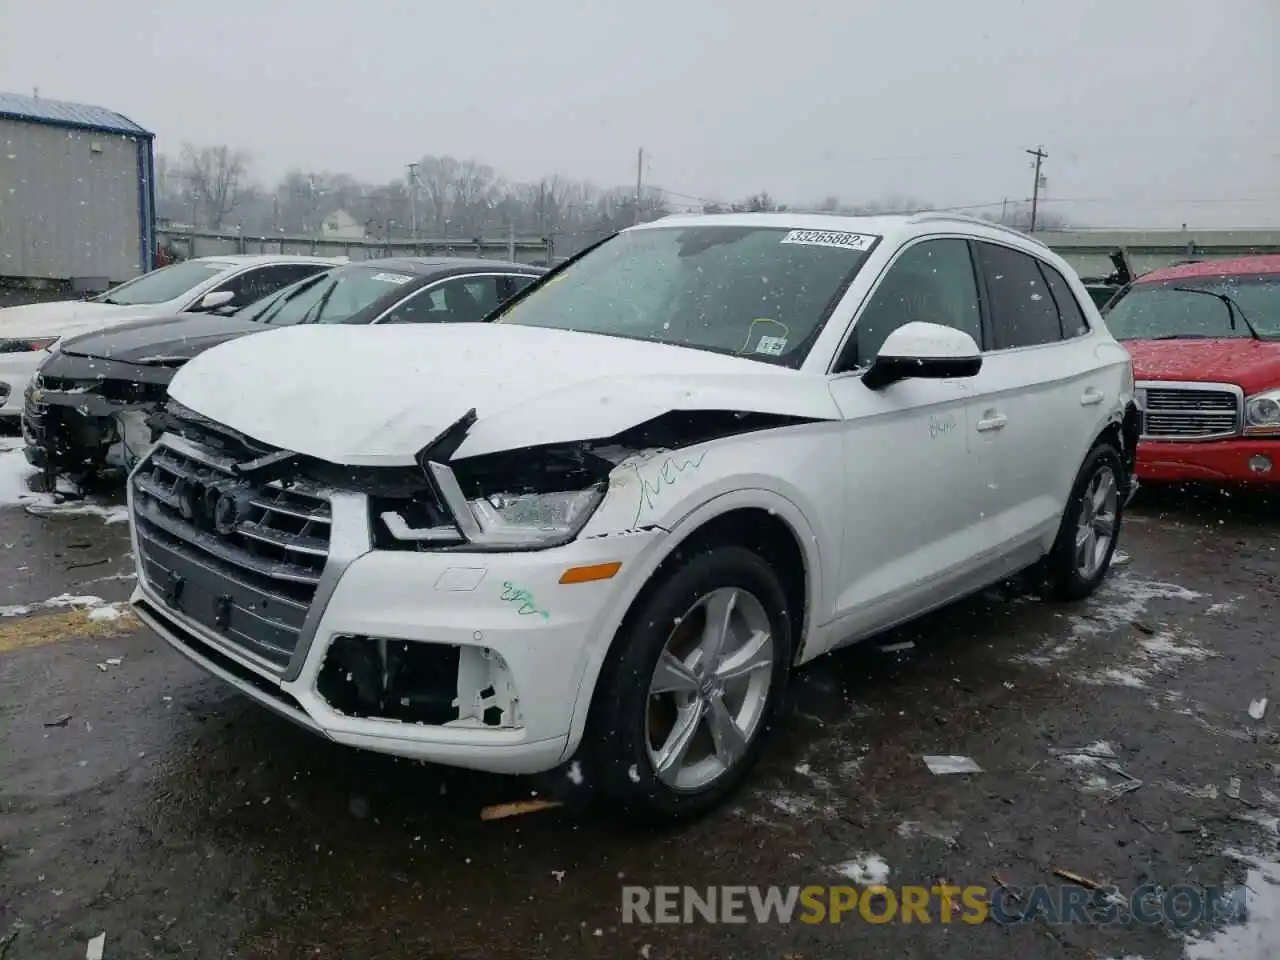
(69, 203)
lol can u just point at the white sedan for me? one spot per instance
(606, 526)
(202, 285)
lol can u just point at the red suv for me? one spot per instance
(1205, 342)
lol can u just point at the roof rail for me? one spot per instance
(931, 216)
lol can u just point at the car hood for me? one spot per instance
(1253, 364)
(375, 396)
(179, 337)
(64, 318)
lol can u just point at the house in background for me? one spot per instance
(340, 225)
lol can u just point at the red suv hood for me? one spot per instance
(1253, 364)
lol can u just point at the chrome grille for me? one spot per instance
(1190, 412)
(242, 558)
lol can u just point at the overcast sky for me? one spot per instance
(1143, 105)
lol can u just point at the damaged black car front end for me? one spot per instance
(86, 411)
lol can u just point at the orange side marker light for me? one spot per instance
(596, 571)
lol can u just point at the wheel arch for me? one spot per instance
(786, 529)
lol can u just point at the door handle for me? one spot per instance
(993, 421)
(1092, 397)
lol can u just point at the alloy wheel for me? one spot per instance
(710, 689)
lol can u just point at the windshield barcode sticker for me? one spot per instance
(772, 346)
(831, 238)
(391, 277)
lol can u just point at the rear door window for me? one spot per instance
(1023, 311)
(1073, 322)
(459, 300)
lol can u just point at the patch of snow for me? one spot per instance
(946, 831)
(865, 869)
(1225, 606)
(15, 477)
(1096, 783)
(1151, 655)
(15, 491)
(1256, 926)
(70, 600)
(61, 600)
(1090, 753)
(1207, 792)
(793, 804)
(1118, 603)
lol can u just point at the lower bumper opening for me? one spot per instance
(435, 684)
(186, 638)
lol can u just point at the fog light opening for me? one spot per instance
(434, 684)
(1260, 463)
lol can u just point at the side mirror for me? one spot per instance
(924, 350)
(219, 298)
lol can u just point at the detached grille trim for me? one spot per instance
(1181, 411)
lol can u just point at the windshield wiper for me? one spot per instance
(114, 303)
(1233, 308)
(313, 315)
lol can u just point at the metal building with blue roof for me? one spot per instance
(77, 192)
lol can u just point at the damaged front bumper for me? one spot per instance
(82, 415)
(471, 659)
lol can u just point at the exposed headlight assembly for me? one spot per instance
(514, 521)
(532, 519)
(1262, 413)
(494, 521)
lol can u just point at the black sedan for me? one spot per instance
(87, 409)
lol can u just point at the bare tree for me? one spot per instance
(457, 200)
(1018, 216)
(215, 178)
(436, 178)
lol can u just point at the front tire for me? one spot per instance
(694, 681)
(1086, 541)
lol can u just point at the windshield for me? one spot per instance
(1159, 311)
(338, 295)
(759, 292)
(167, 283)
(259, 309)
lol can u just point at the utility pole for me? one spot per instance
(639, 180)
(413, 203)
(1004, 211)
(1040, 156)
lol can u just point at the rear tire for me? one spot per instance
(1090, 529)
(693, 683)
